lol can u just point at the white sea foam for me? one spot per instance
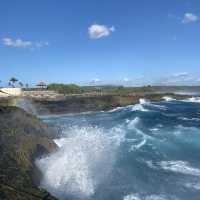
(157, 197)
(132, 197)
(148, 197)
(139, 145)
(158, 106)
(116, 109)
(136, 107)
(154, 129)
(193, 100)
(150, 164)
(132, 124)
(117, 135)
(74, 168)
(168, 98)
(144, 101)
(193, 185)
(139, 107)
(180, 167)
(60, 142)
(147, 103)
(189, 119)
(177, 166)
(184, 129)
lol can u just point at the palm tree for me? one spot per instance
(21, 84)
(10, 84)
(12, 81)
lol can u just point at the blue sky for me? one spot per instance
(130, 42)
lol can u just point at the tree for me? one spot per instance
(12, 81)
(65, 88)
(10, 84)
(21, 84)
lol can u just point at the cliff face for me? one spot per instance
(93, 103)
(22, 138)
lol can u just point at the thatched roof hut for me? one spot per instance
(42, 85)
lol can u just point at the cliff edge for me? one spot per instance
(23, 137)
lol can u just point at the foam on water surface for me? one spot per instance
(168, 98)
(126, 153)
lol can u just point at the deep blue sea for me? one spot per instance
(147, 151)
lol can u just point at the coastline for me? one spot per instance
(29, 129)
(80, 104)
(43, 105)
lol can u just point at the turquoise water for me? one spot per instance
(148, 151)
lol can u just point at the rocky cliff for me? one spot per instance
(77, 104)
(23, 137)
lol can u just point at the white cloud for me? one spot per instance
(96, 80)
(41, 44)
(181, 74)
(183, 78)
(190, 18)
(19, 43)
(16, 43)
(126, 79)
(97, 31)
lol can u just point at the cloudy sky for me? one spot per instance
(130, 42)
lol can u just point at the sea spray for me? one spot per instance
(168, 98)
(75, 169)
(144, 101)
(193, 100)
(126, 154)
(26, 105)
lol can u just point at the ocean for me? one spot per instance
(147, 151)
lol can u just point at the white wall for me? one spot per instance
(12, 91)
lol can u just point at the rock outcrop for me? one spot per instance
(76, 104)
(23, 137)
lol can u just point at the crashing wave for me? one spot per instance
(139, 107)
(168, 98)
(116, 109)
(149, 104)
(144, 101)
(132, 125)
(193, 100)
(74, 168)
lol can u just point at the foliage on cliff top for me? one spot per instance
(65, 88)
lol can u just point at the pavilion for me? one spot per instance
(41, 85)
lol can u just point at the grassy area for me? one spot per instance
(75, 89)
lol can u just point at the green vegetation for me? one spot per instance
(75, 89)
(12, 81)
(65, 88)
(120, 89)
